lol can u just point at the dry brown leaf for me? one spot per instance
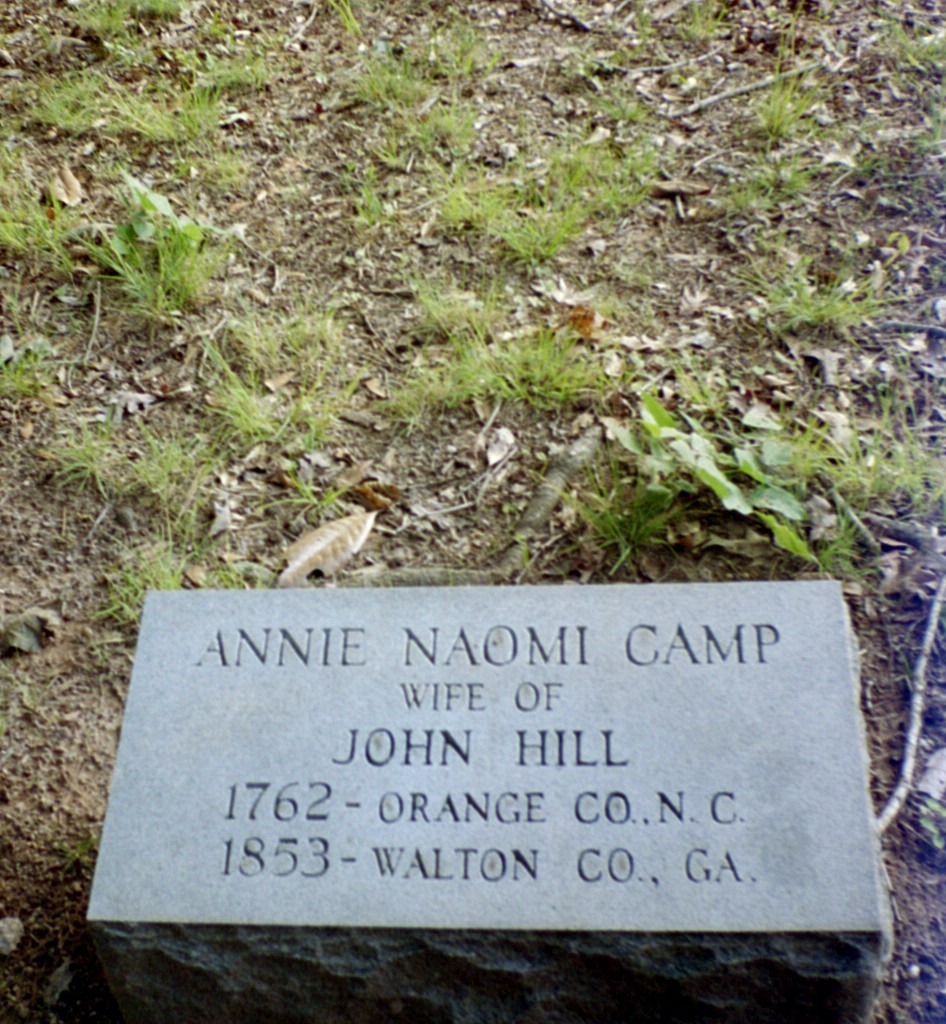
(26, 631)
(376, 495)
(674, 187)
(586, 322)
(66, 188)
(326, 549)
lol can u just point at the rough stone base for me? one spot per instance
(205, 974)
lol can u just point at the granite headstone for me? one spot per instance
(601, 803)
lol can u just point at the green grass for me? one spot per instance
(248, 401)
(345, 12)
(392, 83)
(545, 370)
(891, 464)
(90, 102)
(795, 298)
(785, 107)
(110, 17)
(771, 184)
(24, 378)
(451, 313)
(626, 515)
(537, 206)
(702, 20)
(162, 260)
(33, 231)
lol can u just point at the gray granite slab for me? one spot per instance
(679, 766)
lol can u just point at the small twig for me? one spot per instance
(423, 576)
(907, 533)
(569, 19)
(296, 36)
(763, 83)
(869, 539)
(933, 330)
(99, 519)
(902, 790)
(428, 514)
(668, 12)
(93, 335)
(659, 69)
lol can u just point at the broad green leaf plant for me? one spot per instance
(743, 478)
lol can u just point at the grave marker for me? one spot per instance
(492, 804)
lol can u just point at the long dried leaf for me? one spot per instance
(66, 188)
(326, 549)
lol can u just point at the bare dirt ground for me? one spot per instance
(337, 205)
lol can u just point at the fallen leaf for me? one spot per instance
(501, 444)
(223, 520)
(830, 363)
(376, 495)
(129, 403)
(761, 416)
(24, 632)
(839, 426)
(375, 387)
(693, 299)
(824, 521)
(933, 780)
(673, 188)
(599, 135)
(278, 382)
(11, 931)
(66, 188)
(560, 291)
(326, 549)
(352, 476)
(614, 364)
(916, 575)
(835, 153)
(586, 322)
(196, 576)
(59, 981)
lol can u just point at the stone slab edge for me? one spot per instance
(212, 974)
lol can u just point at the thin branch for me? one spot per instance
(668, 12)
(301, 31)
(763, 83)
(569, 19)
(902, 791)
(933, 330)
(908, 533)
(94, 333)
(659, 69)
